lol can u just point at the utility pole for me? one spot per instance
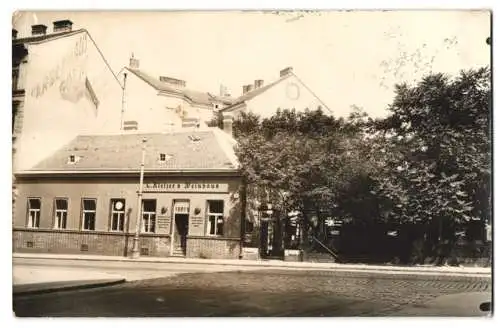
(122, 114)
(135, 248)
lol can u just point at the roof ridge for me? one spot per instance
(254, 93)
(158, 85)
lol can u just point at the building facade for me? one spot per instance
(84, 198)
(62, 86)
(287, 92)
(161, 103)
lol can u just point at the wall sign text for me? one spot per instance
(186, 187)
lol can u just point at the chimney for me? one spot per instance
(62, 26)
(222, 90)
(130, 125)
(258, 84)
(14, 33)
(247, 88)
(39, 29)
(175, 82)
(134, 62)
(227, 122)
(190, 122)
(286, 71)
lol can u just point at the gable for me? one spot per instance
(286, 93)
(69, 90)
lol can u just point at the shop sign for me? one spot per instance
(186, 187)
(181, 207)
(196, 221)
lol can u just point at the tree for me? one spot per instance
(438, 152)
(310, 162)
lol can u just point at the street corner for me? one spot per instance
(30, 279)
(40, 274)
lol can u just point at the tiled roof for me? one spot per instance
(195, 150)
(152, 81)
(226, 100)
(47, 37)
(198, 97)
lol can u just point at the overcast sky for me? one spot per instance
(347, 58)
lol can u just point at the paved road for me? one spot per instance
(264, 293)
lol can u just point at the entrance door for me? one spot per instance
(181, 220)
(182, 226)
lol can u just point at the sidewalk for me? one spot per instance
(276, 264)
(28, 280)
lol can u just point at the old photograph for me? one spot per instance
(252, 163)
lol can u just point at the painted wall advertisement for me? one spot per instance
(68, 75)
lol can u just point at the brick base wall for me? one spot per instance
(95, 243)
(213, 248)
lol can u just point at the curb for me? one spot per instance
(63, 287)
(337, 267)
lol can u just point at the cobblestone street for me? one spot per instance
(259, 293)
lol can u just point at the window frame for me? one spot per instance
(16, 70)
(216, 217)
(83, 211)
(151, 217)
(56, 210)
(29, 210)
(113, 211)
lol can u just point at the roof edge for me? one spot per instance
(48, 37)
(26, 173)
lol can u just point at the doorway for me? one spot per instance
(181, 226)
(271, 240)
(182, 229)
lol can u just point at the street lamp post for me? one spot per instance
(135, 248)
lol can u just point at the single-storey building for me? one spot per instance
(83, 199)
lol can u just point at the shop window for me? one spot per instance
(117, 214)
(149, 215)
(34, 207)
(215, 214)
(88, 213)
(61, 213)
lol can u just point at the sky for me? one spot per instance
(348, 58)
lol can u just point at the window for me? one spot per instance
(117, 214)
(73, 159)
(15, 111)
(34, 206)
(215, 217)
(15, 77)
(61, 213)
(163, 157)
(148, 215)
(88, 213)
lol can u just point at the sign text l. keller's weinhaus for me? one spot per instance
(185, 187)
